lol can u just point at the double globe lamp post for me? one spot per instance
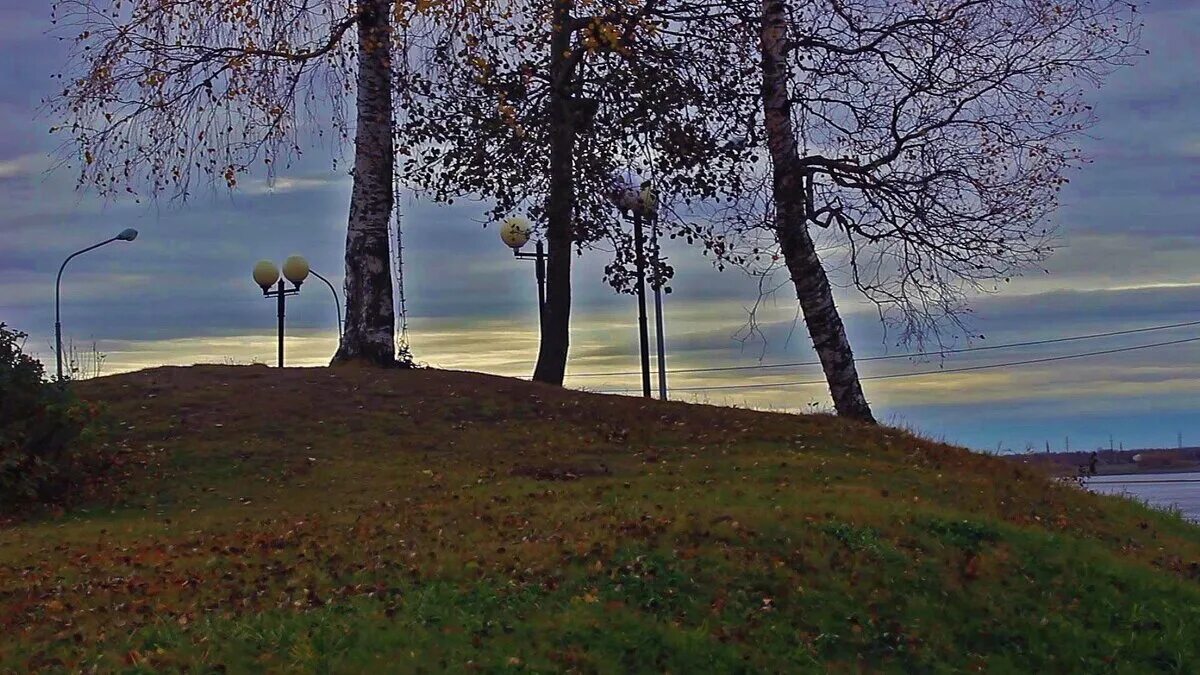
(295, 269)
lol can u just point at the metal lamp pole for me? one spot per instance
(658, 312)
(128, 234)
(539, 269)
(296, 270)
(336, 300)
(641, 203)
(514, 232)
(281, 294)
(640, 263)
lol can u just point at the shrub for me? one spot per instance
(44, 430)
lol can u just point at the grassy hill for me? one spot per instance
(362, 521)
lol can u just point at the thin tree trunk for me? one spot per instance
(556, 325)
(369, 335)
(791, 225)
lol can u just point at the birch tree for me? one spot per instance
(161, 97)
(927, 141)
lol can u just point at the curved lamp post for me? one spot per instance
(296, 270)
(514, 232)
(337, 302)
(128, 234)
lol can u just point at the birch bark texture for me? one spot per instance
(804, 266)
(925, 142)
(369, 334)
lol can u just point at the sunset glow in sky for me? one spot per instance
(182, 293)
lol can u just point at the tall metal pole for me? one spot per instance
(282, 302)
(658, 314)
(640, 262)
(57, 339)
(58, 355)
(539, 267)
(336, 301)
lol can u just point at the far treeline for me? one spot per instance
(1107, 461)
(923, 144)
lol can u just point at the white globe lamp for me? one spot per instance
(265, 274)
(514, 232)
(295, 269)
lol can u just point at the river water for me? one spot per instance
(1164, 490)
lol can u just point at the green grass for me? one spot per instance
(354, 521)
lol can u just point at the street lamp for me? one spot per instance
(642, 203)
(296, 270)
(128, 234)
(514, 232)
(650, 206)
(337, 302)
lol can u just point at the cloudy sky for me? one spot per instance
(182, 292)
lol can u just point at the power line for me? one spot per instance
(911, 354)
(942, 371)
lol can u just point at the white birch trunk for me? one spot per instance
(370, 316)
(791, 224)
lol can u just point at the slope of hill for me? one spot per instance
(362, 521)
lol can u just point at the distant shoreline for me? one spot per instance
(1059, 471)
(1113, 462)
(1147, 472)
